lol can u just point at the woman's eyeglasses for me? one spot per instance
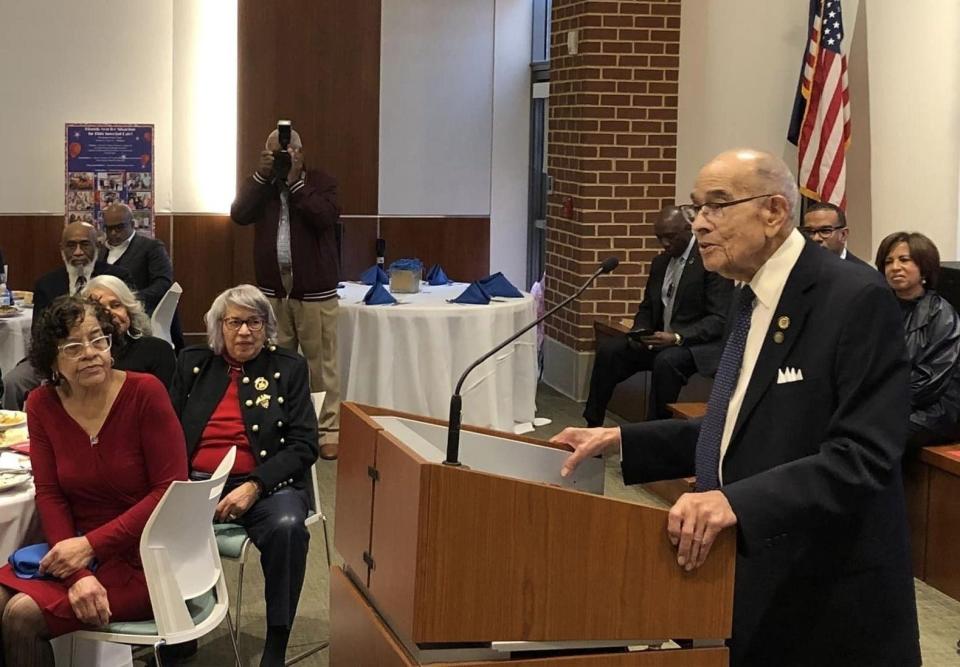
(234, 323)
(76, 350)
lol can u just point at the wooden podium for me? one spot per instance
(501, 560)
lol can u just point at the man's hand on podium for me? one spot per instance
(693, 524)
(585, 443)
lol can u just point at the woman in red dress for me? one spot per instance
(104, 445)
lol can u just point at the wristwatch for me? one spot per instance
(678, 338)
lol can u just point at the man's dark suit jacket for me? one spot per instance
(812, 473)
(56, 283)
(699, 308)
(149, 266)
(856, 260)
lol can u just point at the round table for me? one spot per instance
(409, 356)
(18, 514)
(14, 337)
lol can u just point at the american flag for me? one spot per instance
(820, 126)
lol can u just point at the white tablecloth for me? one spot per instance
(18, 516)
(14, 337)
(409, 356)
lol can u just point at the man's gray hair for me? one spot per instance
(241, 296)
(139, 321)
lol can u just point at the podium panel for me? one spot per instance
(467, 560)
(360, 638)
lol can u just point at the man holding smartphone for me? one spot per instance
(294, 211)
(676, 331)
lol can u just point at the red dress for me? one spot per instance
(105, 491)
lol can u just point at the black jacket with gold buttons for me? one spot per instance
(275, 402)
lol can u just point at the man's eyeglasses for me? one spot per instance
(822, 232)
(234, 323)
(76, 350)
(714, 210)
(73, 245)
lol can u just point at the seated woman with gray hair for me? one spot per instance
(134, 349)
(243, 390)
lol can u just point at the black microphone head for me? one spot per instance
(609, 264)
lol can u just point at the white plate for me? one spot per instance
(12, 419)
(12, 480)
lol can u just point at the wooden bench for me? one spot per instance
(932, 484)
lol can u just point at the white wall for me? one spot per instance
(915, 118)
(111, 61)
(455, 116)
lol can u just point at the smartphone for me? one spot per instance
(637, 334)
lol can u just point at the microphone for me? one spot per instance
(456, 403)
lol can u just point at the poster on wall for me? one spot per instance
(107, 163)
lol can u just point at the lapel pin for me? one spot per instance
(261, 384)
(778, 337)
(263, 400)
(783, 322)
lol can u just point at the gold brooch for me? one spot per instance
(261, 384)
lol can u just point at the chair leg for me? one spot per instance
(233, 640)
(156, 653)
(326, 541)
(306, 654)
(243, 562)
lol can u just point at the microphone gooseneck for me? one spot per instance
(456, 401)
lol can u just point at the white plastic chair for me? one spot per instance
(184, 575)
(162, 317)
(233, 542)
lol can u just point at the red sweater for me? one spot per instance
(224, 430)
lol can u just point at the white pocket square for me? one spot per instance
(788, 374)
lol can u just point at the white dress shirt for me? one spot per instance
(767, 284)
(116, 252)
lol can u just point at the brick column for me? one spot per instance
(611, 151)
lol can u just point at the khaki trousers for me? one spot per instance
(311, 327)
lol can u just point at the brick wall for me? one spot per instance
(612, 151)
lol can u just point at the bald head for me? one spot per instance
(78, 244)
(117, 223)
(672, 230)
(273, 140)
(749, 198)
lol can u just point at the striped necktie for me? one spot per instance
(80, 284)
(707, 458)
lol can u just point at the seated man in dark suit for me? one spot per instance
(144, 258)
(684, 307)
(78, 247)
(826, 224)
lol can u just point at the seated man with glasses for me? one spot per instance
(241, 390)
(78, 248)
(679, 325)
(826, 224)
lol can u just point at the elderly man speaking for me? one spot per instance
(800, 448)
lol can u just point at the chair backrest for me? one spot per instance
(178, 548)
(162, 317)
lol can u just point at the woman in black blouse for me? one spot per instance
(134, 349)
(911, 264)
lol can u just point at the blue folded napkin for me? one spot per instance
(378, 296)
(25, 561)
(374, 274)
(475, 293)
(436, 276)
(498, 285)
